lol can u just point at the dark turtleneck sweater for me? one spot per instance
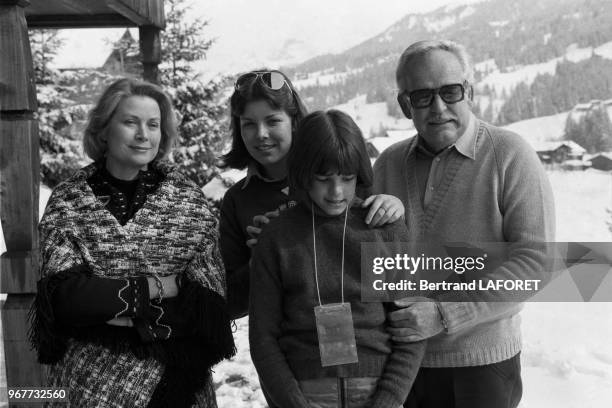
(282, 332)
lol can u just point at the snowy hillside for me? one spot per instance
(541, 129)
(372, 117)
(533, 49)
(507, 80)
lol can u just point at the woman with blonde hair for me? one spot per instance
(131, 310)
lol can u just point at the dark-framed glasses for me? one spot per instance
(272, 79)
(423, 98)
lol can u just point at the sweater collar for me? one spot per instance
(254, 171)
(165, 168)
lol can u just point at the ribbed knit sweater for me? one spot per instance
(282, 330)
(247, 198)
(502, 195)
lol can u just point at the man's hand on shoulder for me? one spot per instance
(416, 319)
(259, 221)
(384, 209)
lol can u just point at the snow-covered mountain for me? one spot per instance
(520, 42)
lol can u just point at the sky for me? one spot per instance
(252, 33)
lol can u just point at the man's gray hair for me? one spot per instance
(423, 47)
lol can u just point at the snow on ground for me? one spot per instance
(567, 357)
(582, 198)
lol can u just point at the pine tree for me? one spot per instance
(575, 130)
(202, 123)
(60, 154)
(183, 42)
(598, 129)
(45, 45)
(593, 130)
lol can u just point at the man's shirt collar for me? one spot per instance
(466, 144)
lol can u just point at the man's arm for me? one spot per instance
(527, 206)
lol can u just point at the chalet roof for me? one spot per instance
(606, 155)
(94, 13)
(590, 105)
(549, 146)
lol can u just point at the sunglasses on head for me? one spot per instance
(423, 98)
(272, 79)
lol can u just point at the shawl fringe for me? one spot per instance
(187, 360)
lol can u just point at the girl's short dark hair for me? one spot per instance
(286, 99)
(329, 141)
(100, 116)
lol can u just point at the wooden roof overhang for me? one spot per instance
(94, 13)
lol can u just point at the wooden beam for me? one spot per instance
(19, 181)
(141, 12)
(17, 88)
(19, 178)
(150, 49)
(19, 272)
(20, 3)
(79, 21)
(21, 367)
(77, 6)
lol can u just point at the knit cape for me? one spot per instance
(174, 232)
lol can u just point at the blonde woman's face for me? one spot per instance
(133, 136)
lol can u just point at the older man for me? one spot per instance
(464, 180)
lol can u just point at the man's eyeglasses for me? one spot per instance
(273, 80)
(423, 98)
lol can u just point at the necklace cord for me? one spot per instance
(314, 245)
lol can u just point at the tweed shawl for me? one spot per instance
(174, 232)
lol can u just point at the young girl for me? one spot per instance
(265, 111)
(310, 257)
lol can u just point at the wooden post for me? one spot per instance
(19, 182)
(150, 49)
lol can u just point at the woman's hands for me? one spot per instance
(170, 289)
(384, 209)
(168, 283)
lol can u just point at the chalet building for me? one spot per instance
(559, 151)
(124, 58)
(582, 109)
(602, 161)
